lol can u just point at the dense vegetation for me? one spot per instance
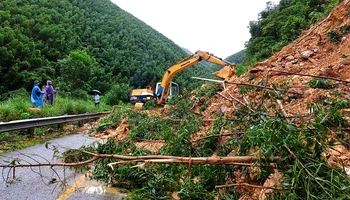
(279, 25)
(299, 144)
(82, 45)
(236, 58)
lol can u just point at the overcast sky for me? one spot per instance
(219, 27)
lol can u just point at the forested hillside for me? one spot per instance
(82, 45)
(85, 44)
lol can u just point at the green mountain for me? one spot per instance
(236, 58)
(187, 51)
(82, 45)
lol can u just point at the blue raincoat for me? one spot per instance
(36, 96)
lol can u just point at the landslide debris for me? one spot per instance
(321, 53)
(314, 68)
(313, 53)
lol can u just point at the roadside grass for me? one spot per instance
(19, 107)
(16, 140)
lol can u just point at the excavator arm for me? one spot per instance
(163, 90)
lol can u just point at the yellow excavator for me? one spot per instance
(166, 88)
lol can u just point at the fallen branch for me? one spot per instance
(251, 85)
(263, 90)
(294, 73)
(281, 106)
(300, 116)
(236, 101)
(268, 88)
(150, 141)
(249, 185)
(159, 159)
(231, 160)
(218, 135)
(51, 164)
(301, 164)
(194, 160)
(207, 79)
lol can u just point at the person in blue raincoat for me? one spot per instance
(37, 95)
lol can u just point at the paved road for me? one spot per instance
(44, 182)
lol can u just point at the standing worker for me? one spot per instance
(44, 96)
(36, 95)
(97, 99)
(50, 92)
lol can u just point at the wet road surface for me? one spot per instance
(48, 183)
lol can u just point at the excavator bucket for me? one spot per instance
(225, 73)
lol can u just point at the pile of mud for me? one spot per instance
(314, 54)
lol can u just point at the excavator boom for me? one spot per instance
(163, 90)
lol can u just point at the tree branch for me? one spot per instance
(249, 185)
(218, 135)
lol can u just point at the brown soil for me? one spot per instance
(311, 54)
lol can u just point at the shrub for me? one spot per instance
(241, 69)
(334, 36)
(118, 92)
(320, 83)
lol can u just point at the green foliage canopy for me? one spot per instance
(42, 39)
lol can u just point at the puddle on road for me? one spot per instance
(101, 190)
(98, 188)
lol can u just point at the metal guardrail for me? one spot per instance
(37, 122)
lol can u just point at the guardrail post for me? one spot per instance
(60, 126)
(30, 132)
(81, 123)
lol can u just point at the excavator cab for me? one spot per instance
(174, 89)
